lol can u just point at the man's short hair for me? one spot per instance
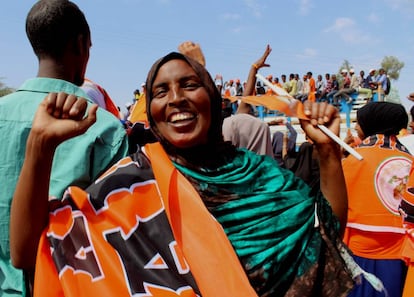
(52, 24)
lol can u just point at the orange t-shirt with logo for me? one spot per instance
(375, 186)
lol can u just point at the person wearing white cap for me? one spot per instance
(218, 80)
(350, 85)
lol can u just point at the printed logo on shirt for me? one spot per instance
(391, 180)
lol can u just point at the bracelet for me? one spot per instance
(255, 66)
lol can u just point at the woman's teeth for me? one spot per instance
(181, 117)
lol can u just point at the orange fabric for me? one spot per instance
(286, 104)
(215, 265)
(312, 90)
(409, 282)
(269, 91)
(97, 268)
(46, 273)
(408, 256)
(374, 227)
(378, 245)
(408, 194)
(139, 111)
(111, 281)
(407, 252)
(109, 103)
(403, 132)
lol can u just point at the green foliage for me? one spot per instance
(345, 65)
(392, 66)
(393, 96)
(5, 90)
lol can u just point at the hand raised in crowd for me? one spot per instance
(320, 114)
(261, 62)
(192, 50)
(61, 116)
(251, 79)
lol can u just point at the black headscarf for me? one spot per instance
(215, 141)
(382, 118)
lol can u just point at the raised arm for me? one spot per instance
(58, 118)
(332, 178)
(251, 79)
(192, 50)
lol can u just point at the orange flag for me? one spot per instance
(284, 102)
(290, 107)
(139, 111)
(280, 100)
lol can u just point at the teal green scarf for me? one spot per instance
(269, 217)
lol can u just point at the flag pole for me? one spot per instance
(324, 129)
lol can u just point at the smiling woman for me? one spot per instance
(191, 215)
(185, 109)
(181, 105)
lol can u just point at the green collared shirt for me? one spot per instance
(78, 161)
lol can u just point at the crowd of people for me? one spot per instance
(189, 196)
(324, 89)
(328, 88)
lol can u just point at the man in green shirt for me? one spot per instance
(60, 37)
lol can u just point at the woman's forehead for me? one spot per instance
(175, 67)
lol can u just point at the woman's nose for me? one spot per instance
(177, 96)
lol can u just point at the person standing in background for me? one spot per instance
(60, 38)
(375, 186)
(312, 87)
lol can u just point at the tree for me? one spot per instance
(345, 65)
(392, 66)
(4, 90)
